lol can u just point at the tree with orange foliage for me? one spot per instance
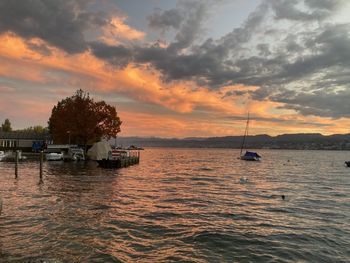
(81, 120)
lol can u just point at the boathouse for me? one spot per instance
(25, 141)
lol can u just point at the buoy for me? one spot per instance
(243, 180)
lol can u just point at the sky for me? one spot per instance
(185, 68)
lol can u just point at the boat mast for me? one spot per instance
(245, 134)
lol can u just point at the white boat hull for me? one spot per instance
(54, 156)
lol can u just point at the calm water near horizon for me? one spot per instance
(180, 205)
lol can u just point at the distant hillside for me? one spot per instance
(312, 141)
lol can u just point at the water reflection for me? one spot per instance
(178, 205)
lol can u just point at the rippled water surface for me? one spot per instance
(180, 205)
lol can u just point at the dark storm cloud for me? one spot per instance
(210, 62)
(328, 5)
(328, 52)
(263, 50)
(242, 35)
(166, 19)
(190, 29)
(60, 23)
(327, 104)
(317, 10)
(119, 56)
(303, 72)
(187, 19)
(171, 61)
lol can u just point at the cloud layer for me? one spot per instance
(289, 60)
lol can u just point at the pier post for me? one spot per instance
(16, 163)
(41, 166)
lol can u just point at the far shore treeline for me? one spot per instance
(299, 141)
(6, 127)
(77, 120)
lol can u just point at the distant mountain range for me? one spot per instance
(311, 141)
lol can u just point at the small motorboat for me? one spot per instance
(54, 156)
(347, 163)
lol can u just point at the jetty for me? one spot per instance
(106, 157)
(119, 163)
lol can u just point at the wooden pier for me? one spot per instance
(119, 158)
(114, 157)
(119, 163)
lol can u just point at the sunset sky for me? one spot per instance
(181, 68)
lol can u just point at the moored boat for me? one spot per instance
(66, 152)
(347, 163)
(248, 156)
(107, 157)
(74, 154)
(54, 156)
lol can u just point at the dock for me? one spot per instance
(107, 157)
(119, 163)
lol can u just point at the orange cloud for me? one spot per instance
(138, 82)
(117, 31)
(195, 110)
(143, 124)
(181, 96)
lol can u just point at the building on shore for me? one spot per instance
(25, 141)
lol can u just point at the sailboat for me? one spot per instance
(248, 156)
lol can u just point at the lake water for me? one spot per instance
(180, 205)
